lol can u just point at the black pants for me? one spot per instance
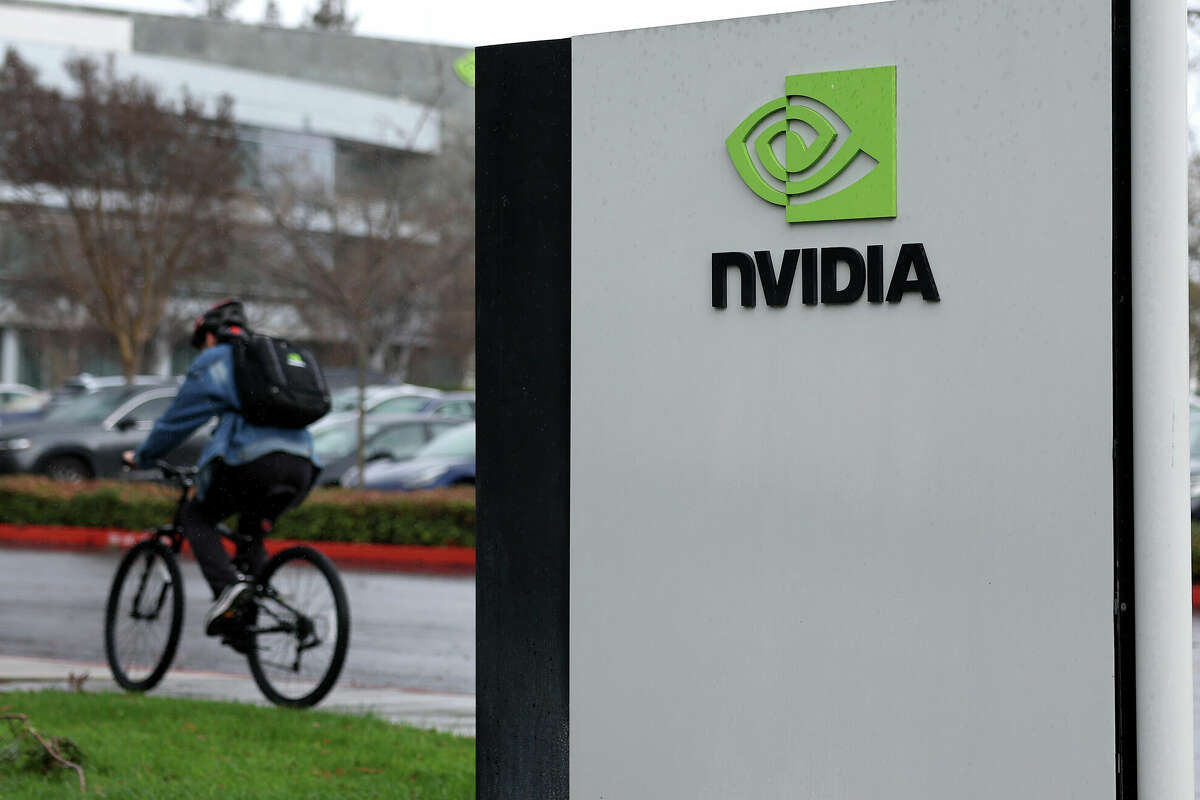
(258, 492)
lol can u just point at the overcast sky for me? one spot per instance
(476, 22)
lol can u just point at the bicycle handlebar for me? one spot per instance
(182, 475)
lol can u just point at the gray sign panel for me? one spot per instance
(849, 550)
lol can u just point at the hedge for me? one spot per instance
(438, 517)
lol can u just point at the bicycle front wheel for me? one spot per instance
(143, 616)
(300, 628)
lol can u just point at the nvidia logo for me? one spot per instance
(826, 150)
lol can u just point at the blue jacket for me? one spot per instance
(207, 392)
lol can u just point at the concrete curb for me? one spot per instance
(406, 558)
(448, 712)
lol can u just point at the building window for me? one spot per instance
(286, 157)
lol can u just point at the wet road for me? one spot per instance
(407, 631)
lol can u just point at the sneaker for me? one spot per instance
(223, 616)
(242, 639)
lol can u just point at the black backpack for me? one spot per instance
(280, 384)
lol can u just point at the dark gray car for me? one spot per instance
(84, 438)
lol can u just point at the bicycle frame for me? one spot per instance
(136, 611)
(172, 533)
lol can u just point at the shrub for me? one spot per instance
(438, 517)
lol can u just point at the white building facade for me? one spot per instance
(299, 96)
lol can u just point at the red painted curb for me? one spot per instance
(412, 558)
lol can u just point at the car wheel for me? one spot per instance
(67, 468)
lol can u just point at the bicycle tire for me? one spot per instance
(291, 574)
(132, 648)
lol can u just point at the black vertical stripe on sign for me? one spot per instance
(523, 285)
(1122, 285)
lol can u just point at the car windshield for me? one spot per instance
(29, 402)
(405, 404)
(92, 407)
(455, 443)
(340, 441)
(344, 400)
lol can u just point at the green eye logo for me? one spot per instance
(826, 150)
(464, 68)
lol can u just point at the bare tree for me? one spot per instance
(374, 267)
(451, 318)
(332, 15)
(123, 190)
(57, 330)
(215, 9)
(385, 258)
(272, 15)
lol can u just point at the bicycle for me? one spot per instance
(299, 613)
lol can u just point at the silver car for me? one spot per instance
(400, 399)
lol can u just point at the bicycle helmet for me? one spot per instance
(224, 320)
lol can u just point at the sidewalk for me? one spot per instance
(451, 713)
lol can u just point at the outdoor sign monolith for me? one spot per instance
(816, 355)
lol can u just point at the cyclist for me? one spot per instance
(254, 471)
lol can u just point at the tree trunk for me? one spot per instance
(360, 362)
(378, 358)
(128, 350)
(403, 360)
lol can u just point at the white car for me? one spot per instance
(19, 397)
(403, 398)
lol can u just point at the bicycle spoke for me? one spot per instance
(300, 645)
(143, 617)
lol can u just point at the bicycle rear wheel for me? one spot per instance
(143, 616)
(300, 627)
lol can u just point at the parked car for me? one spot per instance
(74, 387)
(84, 437)
(393, 400)
(19, 397)
(345, 400)
(447, 460)
(338, 378)
(86, 382)
(384, 437)
(18, 402)
(452, 404)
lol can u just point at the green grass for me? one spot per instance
(141, 747)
